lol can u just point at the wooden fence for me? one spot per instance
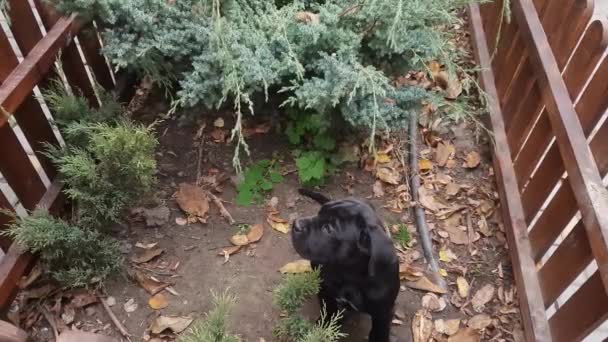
(547, 80)
(83, 66)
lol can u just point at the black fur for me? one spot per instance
(359, 265)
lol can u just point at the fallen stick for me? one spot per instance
(119, 326)
(223, 211)
(421, 226)
(47, 315)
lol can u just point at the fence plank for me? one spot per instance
(585, 179)
(29, 115)
(24, 26)
(33, 68)
(4, 219)
(582, 313)
(91, 47)
(71, 61)
(578, 18)
(569, 260)
(531, 303)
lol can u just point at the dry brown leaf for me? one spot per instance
(448, 327)
(425, 165)
(383, 158)
(426, 285)
(278, 224)
(472, 160)
(152, 286)
(239, 240)
(434, 68)
(434, 303)
(450, 83)
(427, 200)
(147, 255)
(218, 135)
(452, 189)
(173, 323)
(181, 221)
(482, 297)
(298, 266)
(483, 227)
(308, 17)
(479, 322)
(130, 306)
(446, 255)
(422, 327)
(459, 236)
(388, 175)
(146, 245)
(193, 200)
(229, 250)
(158, 301)
(219, 123)
(409, 272)
(443, 152)
(255, 233)
(465, 335)
(378, 189)
(463, 287)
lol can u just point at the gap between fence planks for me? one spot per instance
(535, 322)
(591, 196)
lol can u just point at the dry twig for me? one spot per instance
(223, 211)
(117, 323)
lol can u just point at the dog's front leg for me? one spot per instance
(381, 327)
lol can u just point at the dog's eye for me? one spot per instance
(327, 228)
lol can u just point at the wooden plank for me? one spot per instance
(71, 61)
(531, 302)
(585, 179)
(569, 260)
(17, 169)
(91, 47)
(524, 120)
(578, 18)
(33, 68)
(17, 262)
(582, 313)
(23, 25)
(29, 115)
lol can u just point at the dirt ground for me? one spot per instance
(191, 264)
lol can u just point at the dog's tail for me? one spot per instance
(319, 198)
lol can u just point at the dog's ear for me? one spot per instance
(373, 243)
(319, 198)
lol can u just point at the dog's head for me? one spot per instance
(344, 232)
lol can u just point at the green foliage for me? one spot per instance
(258, 179)
(74, 256)
(403, 236)
(325, 330)
(213, 328)
(228, 52)
(295, 289)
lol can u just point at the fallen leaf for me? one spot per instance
(450, 83)
(239, 240)
(152, 286)
(181, 221)
(158, 301)
(388, 175)
(446, 255)
(299, 266)
(426, 285)
(147, 255)
(482, 297)
(472, 160)
(173, 323)
(443, 272)
(479, 322)
(434, 68)
(463, 287)
(383, 158)
(219, 123)
(306, 17)
(483, 227)
(218, 135)
(278, 224)
(28, 280)
(443, 152)
(255, 233)
(68, 314)
(465, 335)
(192, 200)
(130, 306)
(422, 327)
(378, 189)
(427, 199)
(409, 272)
(452, 189)
(229, 250)
(146, 245)
(459, 236)
(83, 298)
(433, 303)
(448, 327)
(425, 165)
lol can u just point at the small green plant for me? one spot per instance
(243, 229)
(403, 236)
(213, 327)
(74, 256)
(289, 297)
(257, 180)
(312, 133)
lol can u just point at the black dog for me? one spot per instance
(359, 265)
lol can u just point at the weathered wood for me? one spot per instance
(582, 313)
(23, 25)
(33, 68)
(577, 20)
(531, 302)
(591, 196)
(91, 47)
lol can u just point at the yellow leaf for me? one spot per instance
(443, 272)
(425, 165)
(158, 301)
(383, 158)
(282, 227)
(239, 240)
(299, 266)
(443, 256)
(463, 287)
